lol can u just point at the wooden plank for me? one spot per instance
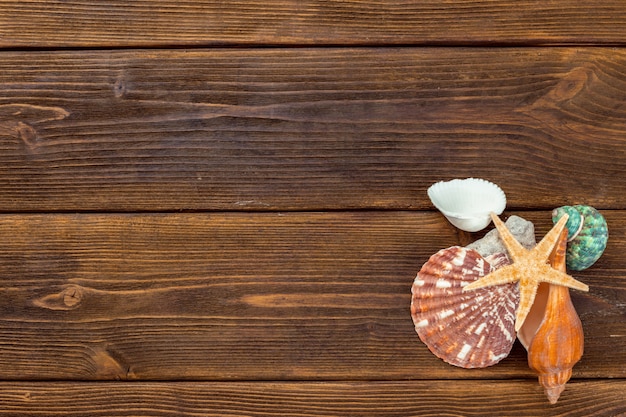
(309, 129)
(417, 398)
(244, 296)
(309, 22)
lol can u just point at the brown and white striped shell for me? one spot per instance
(472, 329)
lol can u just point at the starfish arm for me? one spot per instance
(515, 249)
(553, 276)
(504, 275)
(528, 291)
(545, 247)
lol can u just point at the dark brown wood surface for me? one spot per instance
(278, 296)
(309, 129)
(393, 399)
(218, 208)
(287, 22)
(247, 296)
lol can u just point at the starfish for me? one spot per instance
(529, 267)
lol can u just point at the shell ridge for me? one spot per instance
(580, 228)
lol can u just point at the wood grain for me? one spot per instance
(218, 208)
(309, 22)
(244, 296)
(415, 398)
(309, 129)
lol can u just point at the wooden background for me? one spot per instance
(218, 208)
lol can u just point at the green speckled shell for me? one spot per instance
(587, 235)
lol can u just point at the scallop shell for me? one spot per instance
(587, 235)
(467, 329)
(467, 203)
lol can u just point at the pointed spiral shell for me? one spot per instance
(553, 335)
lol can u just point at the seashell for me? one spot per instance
(587, 235)
(467, 203)
(552, 332)
(467, 329)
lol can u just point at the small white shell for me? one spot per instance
(467, 203)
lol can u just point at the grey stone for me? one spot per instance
(523, 230)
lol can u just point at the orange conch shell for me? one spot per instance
(552, 332)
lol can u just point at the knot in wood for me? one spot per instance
(72, 296)
(69, 298)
